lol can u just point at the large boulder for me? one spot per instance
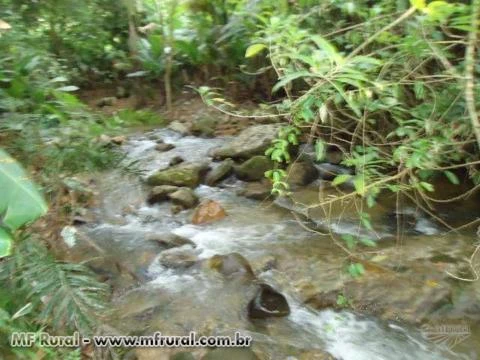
(301, 173)
(185, 197)
(254, 168)
(184, 174)
(208, 211)
(219, 173)
(251, 141)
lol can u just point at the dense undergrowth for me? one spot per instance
(391, 85)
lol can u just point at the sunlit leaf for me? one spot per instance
(359, 184)
(451, 177)
(6, 242)
(254, 49)
(340, 179)
(20, 202)
(320, 150)
(418, 4)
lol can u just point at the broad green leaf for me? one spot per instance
(418, 4)
(254, 49)
(349, 240)
(6, 241)
(427, 186)
(340, 179)
(368, 242)
(359, 184)
(289, 78)
(452, 177)
(20, 202)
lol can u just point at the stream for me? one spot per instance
(298, 263)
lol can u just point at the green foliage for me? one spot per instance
(356, 270)
(42, 294)
(20, 204)
(378, 93)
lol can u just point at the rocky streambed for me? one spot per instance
(195, 242)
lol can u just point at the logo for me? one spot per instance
(449, 334)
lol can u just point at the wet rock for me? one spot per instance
(301, 173)
(178, 258)
(264, 263)
(231, 265)
(182, 356)
(316, 355)
(118, 140)
(162, 147)
(175, 209)
(106, 101)
(179, 127)
(170, 240)
(184, 174)
(160, 193)
(220, 172)
(176, 160)
(329, 172)
(208, 211)
(184, 197)
(254, 168)
(333, 154)
(391, 296)
(231, 354)
(204, 127)
(251, 141)
(259, 190)
(268, 303)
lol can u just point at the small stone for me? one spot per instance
(185, 197)
(160, 193)
(268, 303)
(162, 147)
(176, 160)
(231, 265)
(119, 140)
(170, 240)
(208, 211)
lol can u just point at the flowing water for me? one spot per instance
(282, 254)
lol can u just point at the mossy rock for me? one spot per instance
(189, 175)
(254, 168)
